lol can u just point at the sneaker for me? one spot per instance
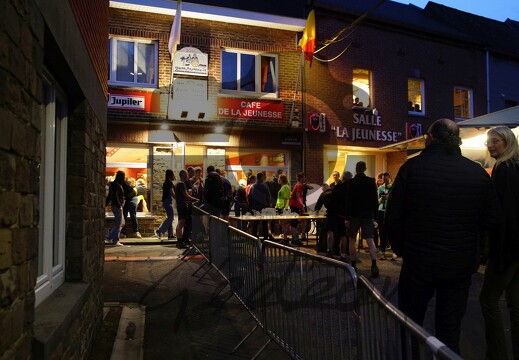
(117, 243)
(122, 236)
(181, 245)
(138, 235)
(157, 233)
(383, 256)
(172, 237)
(394, 257)
(374, 271)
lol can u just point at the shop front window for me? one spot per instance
(415, 96)
(240, 163)
(134, 161)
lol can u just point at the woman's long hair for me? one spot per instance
(169, 175)
(119, 177)
(512, 148)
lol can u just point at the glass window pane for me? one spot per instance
(361, 87)
(125, 61)
(247, 72)
(462, 103)
(268, 75)
(145, 63)
(229, 70)
(414, 95)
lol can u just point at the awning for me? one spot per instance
(507, 117)
(417, 143)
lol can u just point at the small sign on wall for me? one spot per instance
(413, 130)
(133, 100)
(316, 122)
(190, 61)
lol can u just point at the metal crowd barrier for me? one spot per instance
(389, 334)
(311, 306)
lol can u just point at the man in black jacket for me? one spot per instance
(259, 199)
(439, 203)
(214, 194)
(361, 209)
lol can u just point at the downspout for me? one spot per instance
(488, 79)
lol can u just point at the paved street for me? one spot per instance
(185, 317)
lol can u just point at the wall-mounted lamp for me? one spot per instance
(183, 114)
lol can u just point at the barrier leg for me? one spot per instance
(261, 350)
(244, 339)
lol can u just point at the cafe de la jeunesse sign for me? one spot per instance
(373, 133)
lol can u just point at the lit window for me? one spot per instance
(361, 82)
(249, 73)
(53, 175)
(463, 103)
(415, 96)
(132, 62)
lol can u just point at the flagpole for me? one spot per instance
(174, 40)
(295, 90)
(303, 111)
(170, 88)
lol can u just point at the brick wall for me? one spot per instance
(93, 30)
(392, 55)
(210, 37)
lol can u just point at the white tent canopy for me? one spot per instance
(507, 117)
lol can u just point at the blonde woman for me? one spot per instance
(283, 203)
(502, 271)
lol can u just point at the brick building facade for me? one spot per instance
(187, 131)
(399, 53)
(52, 163)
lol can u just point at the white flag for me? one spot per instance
(174, 35)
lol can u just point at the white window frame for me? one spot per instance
(470, 100)
(422, 97)
(371, 99)
(112, 54)
(257, 75)
(52, 198)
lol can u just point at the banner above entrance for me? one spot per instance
(250, 109)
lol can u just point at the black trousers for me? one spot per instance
(415, 291)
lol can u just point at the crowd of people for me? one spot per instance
(433, 216)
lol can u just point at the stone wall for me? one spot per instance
(33, 36)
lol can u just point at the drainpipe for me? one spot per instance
(488, 80)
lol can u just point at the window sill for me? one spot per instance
(54, 316)
(140, 215)
(249, 95)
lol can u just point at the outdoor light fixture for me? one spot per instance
(201, 115)
(183, 114)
